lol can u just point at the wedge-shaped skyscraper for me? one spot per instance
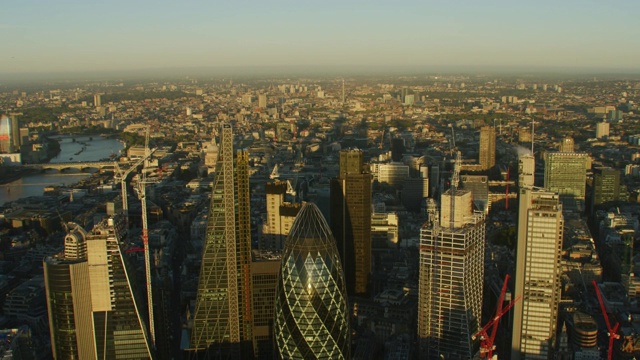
(311, 319)
(92, 303)
(222, 316)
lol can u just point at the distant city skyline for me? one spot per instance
(76, 36)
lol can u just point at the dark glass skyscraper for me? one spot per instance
(606, 185)
(487, 147)
(222, 316)
(311, 320)
(93, 307)
(351, 219)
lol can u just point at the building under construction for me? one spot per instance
(452, 246)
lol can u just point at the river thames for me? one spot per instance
(84, 148)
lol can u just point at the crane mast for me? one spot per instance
(612, 331)
(122, 174)
(145, 238)
(488, 339)
(455, 177)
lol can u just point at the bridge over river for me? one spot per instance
(82, 166)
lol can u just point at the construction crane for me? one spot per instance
(275, 173)
(487, 341)
(612, 332)
(455, 177)
(124, 173)
(290, 190)
(434, 215)
(142, 194)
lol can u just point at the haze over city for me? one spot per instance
(101, 37)
(355, 180)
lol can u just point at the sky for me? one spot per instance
(97, 36)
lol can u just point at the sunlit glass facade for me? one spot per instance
(311, 319)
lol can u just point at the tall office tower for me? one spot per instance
(606, 186)
(394, 174)
(397, 149)
(97, 100)
(222, 315)
(15, 134)
(526, 170)
(538, 270)
(487, 147)
(5, 135)
(264, 273)
(451, 276)
(311, 316)
(567, 145)
(409, 99)
(262, 101)
(602, 130)
(566, 174)
(120, 332)
(93, 307)
(414, 191)
(280, 216)
(350, 205)
(66, 278)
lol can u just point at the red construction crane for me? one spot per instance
(487, 341)
(134, 249)
(611, 332)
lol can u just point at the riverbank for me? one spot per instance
(17, 182)
(10, 174)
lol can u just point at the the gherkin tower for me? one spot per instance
(311, 320)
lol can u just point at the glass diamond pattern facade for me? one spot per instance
(311, 302)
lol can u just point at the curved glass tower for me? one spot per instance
(312, 319)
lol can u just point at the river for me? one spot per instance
(84, 148)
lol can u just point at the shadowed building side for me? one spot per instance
(351, 219)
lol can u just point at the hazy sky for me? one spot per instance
(70, 35)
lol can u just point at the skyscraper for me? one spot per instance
(97, 100)
(280, 216)
(351, 219)
(487, 147)
(538, 270)
(568, 145)
(262, 101)
(312, 317)
(222, 315)
(10, 140)
(606, 185)
(451, 276)
(264, 272)
(526, 170)
(566, 174)
(69, 299)
(120, 330)
(92, 304)
(602, 130)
